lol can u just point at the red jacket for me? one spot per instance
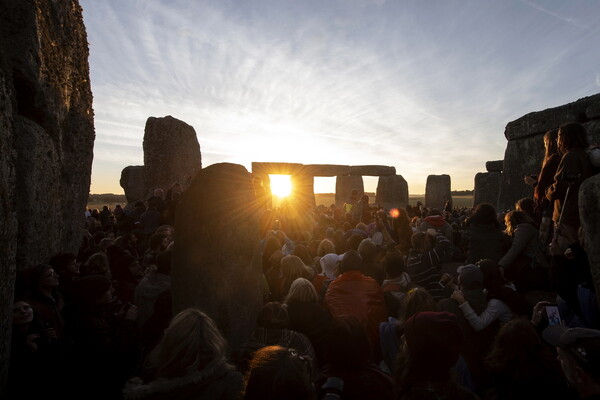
(353, 294)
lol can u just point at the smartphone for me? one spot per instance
(553, 315)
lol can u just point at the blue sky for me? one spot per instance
(425, 86)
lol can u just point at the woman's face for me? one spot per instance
(22, 313)
(49, 278)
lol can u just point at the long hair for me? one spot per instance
(416, 301)
(572, 136)
(302, 291)
(326, 246)
(514, 218)
(551, 146)
(484, 214)
(191, 343)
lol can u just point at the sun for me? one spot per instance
(281, 185)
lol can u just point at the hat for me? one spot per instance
(434, 341)
(582, 343)
(377, 238)
(470, 276)
(328, 263)
(88, 290)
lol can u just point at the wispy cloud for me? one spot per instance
(427, 89)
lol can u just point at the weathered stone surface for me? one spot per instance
(216, 264)
(522, 157)
(593, 111)
(437, 191)
(171, 153)
(8, 223)
(344, 186)
(372, 170)
(132, 182)
(589, 212)
(46, 138)
(494, 166)
(325, 170)
(487, 188)
(392, 192)
(539, 122)
(593, 131)
(276, 168)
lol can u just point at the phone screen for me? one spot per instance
(553, 315)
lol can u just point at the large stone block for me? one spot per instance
(216, 263)
(522, 157)
(437, 191)
(372, 170)
(593, 111)
(171, 153)
(276, 168)
(344, 186)
(593, 131)
(487, 188)
(494, 166)
(303, 192)
(133, 183)
(46, 139)
(325, 170)
(392, 192)
(539, 122)
(589, 212)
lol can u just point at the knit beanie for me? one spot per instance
(434, 341)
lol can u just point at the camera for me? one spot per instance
(331, 389)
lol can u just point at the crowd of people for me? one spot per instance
(368, 303)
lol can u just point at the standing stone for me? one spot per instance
(437, 191)
(392, 192)
(494, 166)
(216, 265)
(487, 188)
(589, 211)
(171, 154)
(133, 184)
(344, 186)
(303, 192)
(46, 139)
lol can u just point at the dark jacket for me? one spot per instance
(485, 241)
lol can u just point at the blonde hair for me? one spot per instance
(292, 267)
(191, 343)
(515, 218)
(302, 291)
(326, 246)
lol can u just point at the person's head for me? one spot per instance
(579, 355)
(293, 268)
(98, 264)
(525, 205)
(89, 292)
(470, 277)
(513, 219)
(191, 343)
(273, 315)
(301, 251)
(167, 230)
(416, 300)
(354, 194)
(362, 226)
(351, 261)
(434, 211)
(420, 241)
(22, 313)
(433, 344)
(278, 373)
(516, 343)
(158, 242)
(484, 214)
(65, 264)
(367, 250)
(394, 264)
(550, 145)
(354, 241)
(41, 279)
(302, 291)
(364, 199)
(571, 136)
(325, 246)
(348, 345)
(330, 264)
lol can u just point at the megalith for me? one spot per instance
(487, 188)
(525, 148)
(589, 212)
(344, 186)
(133, 183)
(437, 191)
(216, 261)
(494, 166)
(303, 192)
(46, 139)
(171, 154)
(392, 192)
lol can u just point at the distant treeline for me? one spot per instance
(462, 193)
(107, 198)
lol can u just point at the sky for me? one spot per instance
(426, 86)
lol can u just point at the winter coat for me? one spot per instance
(218, 382)
(485, 241)
(526, 248)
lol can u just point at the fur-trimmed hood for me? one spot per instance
(185, 386)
